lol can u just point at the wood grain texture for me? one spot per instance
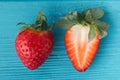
(58, 67)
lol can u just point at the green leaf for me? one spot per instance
(97, 13)
(41, 22)
(69, 20)
(92, 14)
(88, 17)
(70, 16)
(84, 12)
(41, 18)
(21, 23)
(92, 32)
(101, 24)
(102, 33)
(65, 23)
(79, 16)
(23, 28)
(102, 27)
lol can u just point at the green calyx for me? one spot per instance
(39, 25)
(89, 17)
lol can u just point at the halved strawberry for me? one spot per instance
(34, 43)
(83, 36)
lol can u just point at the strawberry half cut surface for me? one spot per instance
(84, 31)
(34, 42)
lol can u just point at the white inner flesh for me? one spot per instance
(79, 36)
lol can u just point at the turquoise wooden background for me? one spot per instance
(106, 65)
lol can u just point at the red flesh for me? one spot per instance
(80, 51)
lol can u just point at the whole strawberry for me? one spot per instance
(84, 31)
(34, 42)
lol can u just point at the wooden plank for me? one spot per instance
(58, 67)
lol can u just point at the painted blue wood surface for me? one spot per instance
(106, 65)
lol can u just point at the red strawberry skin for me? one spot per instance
(33, 47)
(80, 50)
